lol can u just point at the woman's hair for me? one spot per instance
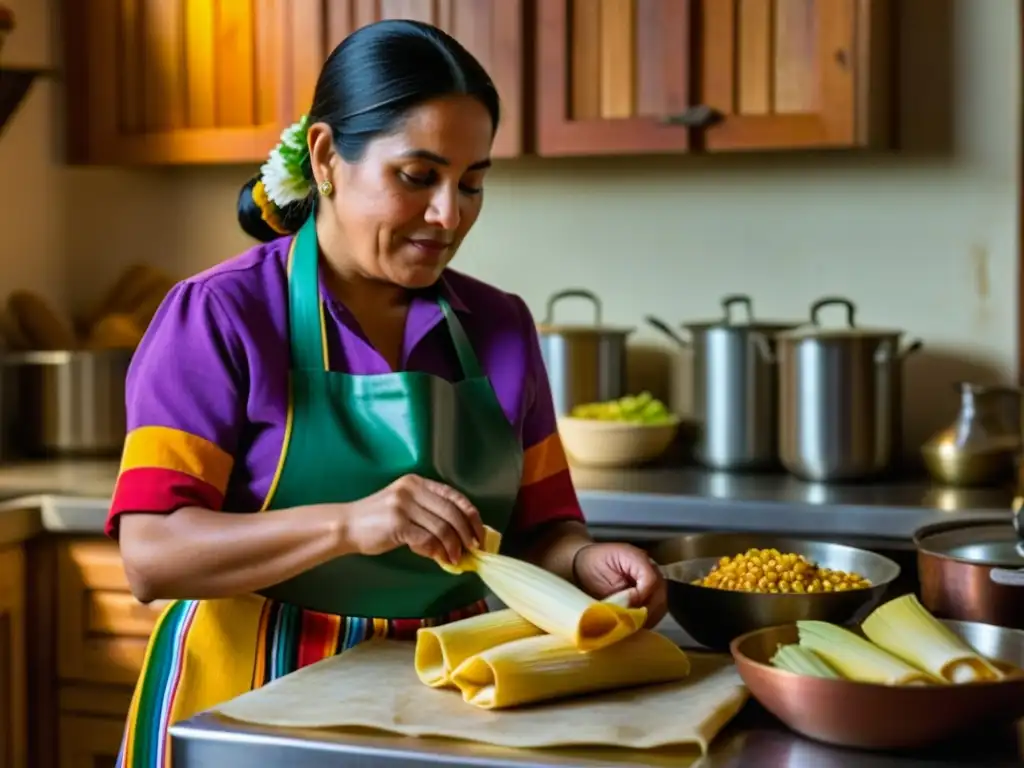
(368, 84)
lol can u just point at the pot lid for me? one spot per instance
(813, 329)
(549, 326)
(979, 542)
(743, 320)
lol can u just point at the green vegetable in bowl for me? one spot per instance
(634, 409)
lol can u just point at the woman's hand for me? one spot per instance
(604, 569)
(431, 518)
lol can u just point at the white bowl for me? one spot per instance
(596, 443)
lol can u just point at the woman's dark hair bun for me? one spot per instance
(371, 80)
(250, 217)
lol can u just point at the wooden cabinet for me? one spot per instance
(637, 76)
(13, 688)
(190, 81)
(92, 637)
(492, 30)
(179, 81)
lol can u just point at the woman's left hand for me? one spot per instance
(604, 569)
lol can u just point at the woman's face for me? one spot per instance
(400, 213)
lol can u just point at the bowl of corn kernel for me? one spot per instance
(723, 585)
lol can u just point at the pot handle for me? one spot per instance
(728, 302)
(666, 329)
(1008, 577)
(572, 293)
(851, 309)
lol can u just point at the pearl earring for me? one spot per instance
(326, 188)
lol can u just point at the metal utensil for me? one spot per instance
(982, 444)
(968, 571)
(68, 403)
(715, 617)
(734, 386)
(840, 397)
(585, 363)
(869, 716)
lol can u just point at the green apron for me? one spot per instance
(352, 435)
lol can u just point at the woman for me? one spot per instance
(377, 406)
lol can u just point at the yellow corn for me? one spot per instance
(439, 650)
(548, 667)
(856, 658)
(548, 601)
(802, 661)
(904, 628)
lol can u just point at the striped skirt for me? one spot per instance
(203, 653)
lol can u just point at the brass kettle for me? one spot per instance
(981, 446)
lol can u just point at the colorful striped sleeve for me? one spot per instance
(546, 493)
(185, 409)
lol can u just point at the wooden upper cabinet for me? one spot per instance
(492, 30)
(795, 73)
(178, 81)
(637, 76)
(609, 73)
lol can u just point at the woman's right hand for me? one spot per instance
(431, 518)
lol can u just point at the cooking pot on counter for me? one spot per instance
(64, 403)
(840, 397)
(734, 385)
(585, 363)
(970, 570)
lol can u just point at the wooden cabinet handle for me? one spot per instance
(697, 116)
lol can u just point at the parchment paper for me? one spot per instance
(375, 686)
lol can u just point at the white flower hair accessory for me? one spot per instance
(285, 175)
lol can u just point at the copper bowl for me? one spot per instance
(715, 617)
(869, 716)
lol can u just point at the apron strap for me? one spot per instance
(467, 357)
(304, 310)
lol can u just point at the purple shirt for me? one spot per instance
(207, 390)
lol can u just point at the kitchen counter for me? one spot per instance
(753, 740)
(73, 497)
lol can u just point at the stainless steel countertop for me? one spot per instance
(74, 496)
(690, 498)
(753, 740)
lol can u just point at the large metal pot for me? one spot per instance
(734, 385)
(840, 398)
(65, 403)
(970, 571)
(585, 363)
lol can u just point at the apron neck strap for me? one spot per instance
(305, 310)
(305, 321)
(467, 357)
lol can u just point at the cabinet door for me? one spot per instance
(609, 74)
(90, 742)
(13, 694)
(492, 30)
(795, 73)
(178, 81)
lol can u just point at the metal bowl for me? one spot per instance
(870, 716)
(715, 617)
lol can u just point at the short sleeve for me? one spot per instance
(185, 401)
(546, 493)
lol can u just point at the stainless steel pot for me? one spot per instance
(585, 363)
(65, 403)
(734, 385)
(840, 398)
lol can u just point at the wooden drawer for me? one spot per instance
(90, 742)
(103, 630)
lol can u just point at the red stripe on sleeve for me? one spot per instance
(160, 491)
